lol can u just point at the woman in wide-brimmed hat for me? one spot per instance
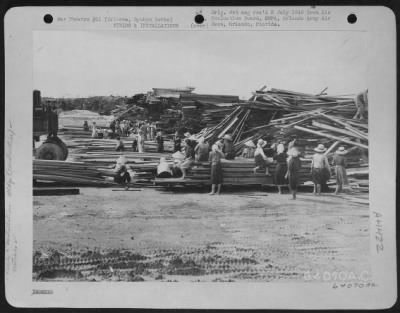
(339, 161)
(319, 168)
(260, 158)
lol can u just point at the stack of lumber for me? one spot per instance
(297, 101)
(212, 117)
(74, 173)
(85, 145)
(193, 105)
(237, 172)
(169, 120)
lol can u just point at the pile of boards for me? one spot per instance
(69, 173)
(236, 172)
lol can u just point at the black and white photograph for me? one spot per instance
(196, 156)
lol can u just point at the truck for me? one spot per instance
(45, 122)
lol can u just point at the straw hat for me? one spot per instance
(228, 137)
(321, 148)
(261, 143)
(250, 144)
(341, 150)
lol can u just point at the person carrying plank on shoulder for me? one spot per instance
(216, 168)
(319, 166)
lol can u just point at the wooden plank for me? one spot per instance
(331, 137)
(334, 129)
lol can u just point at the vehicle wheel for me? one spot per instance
(50, 151)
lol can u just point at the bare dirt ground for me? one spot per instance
(190, 236)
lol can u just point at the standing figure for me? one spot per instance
(121, 173)
(120, 145)
(112, 127)
(294, 166)
(94, 130)
(85, 126)
(340, 163)
(118, 127)
(216, 169)
(152, 131)
(201, 150)
(160, 142)
(281, 168)
(134, 143)
(189, 157)
(140, 142)
(143, 128)
(177, 142)
(148, 132)
(260, 157)
(319, 168)
(228, 149)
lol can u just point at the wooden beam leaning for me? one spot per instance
(331, 137)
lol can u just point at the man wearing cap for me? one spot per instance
(339, 161)
(319, 166)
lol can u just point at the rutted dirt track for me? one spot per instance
(153, 235)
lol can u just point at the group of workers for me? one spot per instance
(286, 157)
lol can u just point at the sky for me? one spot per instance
(81, 64)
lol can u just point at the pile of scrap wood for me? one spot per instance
(279, 116)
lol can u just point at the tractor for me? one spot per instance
(45, 122)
